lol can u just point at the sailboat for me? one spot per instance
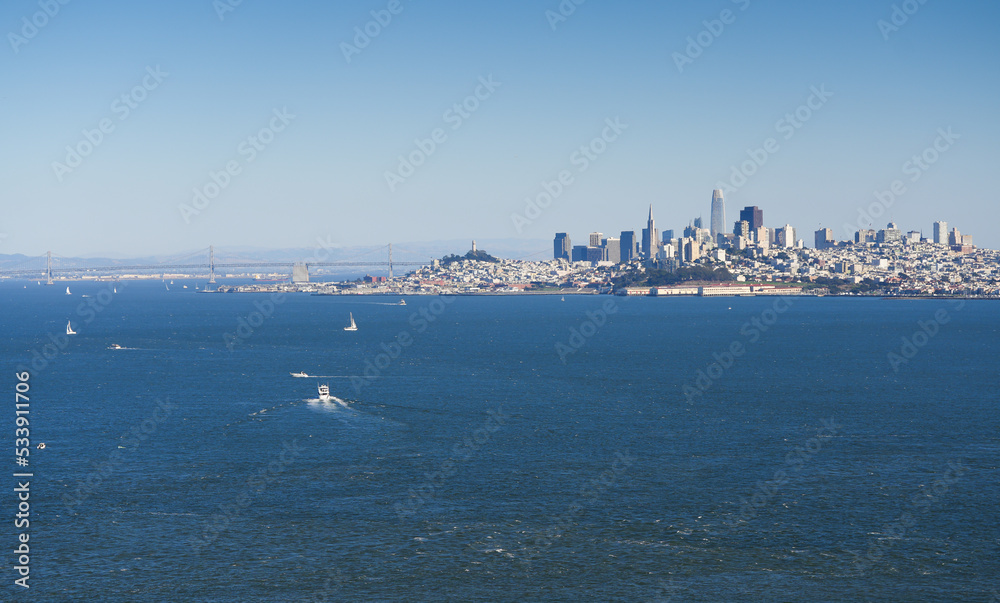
(116, 289)
(67, 291)
(353, 326)
(69, 328)
(563, 299)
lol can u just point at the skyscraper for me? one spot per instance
(562, 248)
(824, 238)
(941, 233)
(627, 246)
(754, 216)
(718, 214)
(650, 237)
(595, 239)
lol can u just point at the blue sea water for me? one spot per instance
(510, 448)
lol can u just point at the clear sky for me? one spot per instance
(324, 173)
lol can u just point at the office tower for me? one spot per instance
(580, 253)
(691, 232)
(941, 233)
(742, 229)
(668, 235)
(865, 235)
(786, 236)
(697, 222)
(718, 214)
(753, 215)
(627, 245)
(650, 237)
(562, 247)
(595, 239)
(611, 250)
(824, 238)
(955, 238)
(891, 234)
(595, 254)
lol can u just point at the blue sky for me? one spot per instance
(324, 174)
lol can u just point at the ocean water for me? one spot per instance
(509, 449)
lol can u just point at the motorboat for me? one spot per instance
(302, 375)
(324, 393)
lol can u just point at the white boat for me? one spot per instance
(402, 302)
(67, 291)
(69, 328)
(185, 286)
(324, 393)
(115, 346)
(299, 375)
(563, 299)
(116, 289)
(353, 326)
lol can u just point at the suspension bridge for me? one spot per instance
(50, 266)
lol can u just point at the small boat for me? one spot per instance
(115, 289)
(324, 393)
(115, 346)
(167, 286)
(67, 291)
(299, 375)
(185, 286)
(41, 446)
(69, 328)
(353, 326)
(563, 299)
(401, 302)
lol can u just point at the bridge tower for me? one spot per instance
(48, 269)
(390, 260)
(211, 264)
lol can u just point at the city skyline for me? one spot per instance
(284, 125)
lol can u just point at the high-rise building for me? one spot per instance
(955, 238)
(697, 222)
(742, 229)
(595, 254)
(941, 233)
(824, 238)
(595, 239)
(753, 215)
(562, 247)
(611, 250)
(580, 253)
(650, 237)
(786, 236)
(891, 234)
(668, 235)
(627, 245)
(718, 214)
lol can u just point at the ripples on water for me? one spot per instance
(535, 508)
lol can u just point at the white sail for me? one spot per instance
(67, 291)
(69, 328)
(353, 326)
